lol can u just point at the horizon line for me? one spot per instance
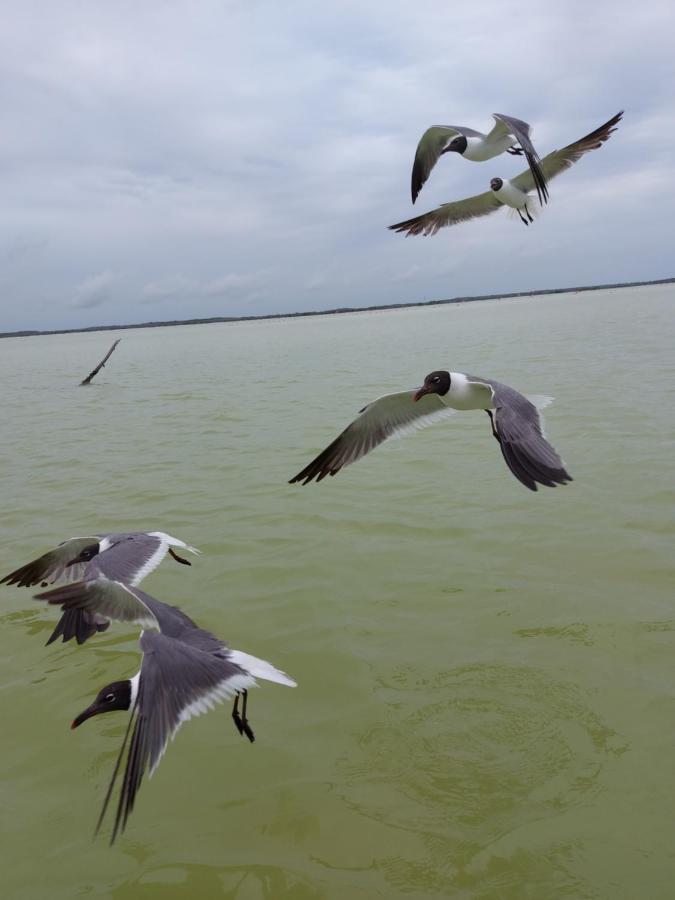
(341, 310)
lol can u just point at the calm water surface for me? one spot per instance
(486, 700)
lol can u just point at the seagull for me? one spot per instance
(184, 671)
(515, 422)
(504, 192)
(126, 557)
(477, 147)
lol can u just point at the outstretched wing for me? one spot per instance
(521, 132)
(176, 683)
(104, 598)
(388, 416)
(450, 214)
(432, 144)
(52, 566)
(526, 451)
(134, 556)
(560, 160)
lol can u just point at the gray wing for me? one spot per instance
(521, 132)
(450, 214)
(176, 682)
(52, 566)
(104, 599)
(132, 557)
(389, 415)
(431, 146)
(526, 451)
(560, 160)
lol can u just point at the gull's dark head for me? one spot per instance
(496, 184)
(434, 383)
(116, 695)
(456, 145)
(85, 555)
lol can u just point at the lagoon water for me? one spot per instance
(486, 699)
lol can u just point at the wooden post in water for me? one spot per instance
(105, 359)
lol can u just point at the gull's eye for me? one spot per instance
(109, 698)
(435, 379)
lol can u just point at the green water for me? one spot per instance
(486, 699)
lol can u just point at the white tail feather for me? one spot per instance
(541, 401)
(174, 542)
(259, 668)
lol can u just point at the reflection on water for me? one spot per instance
(470, 756)
(249, 882)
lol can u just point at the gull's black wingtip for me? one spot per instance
(401, 227)
(416, 181)
(301, 479)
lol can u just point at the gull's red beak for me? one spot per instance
(420, 392)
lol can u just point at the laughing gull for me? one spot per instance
(184, 671)
(126, 557)
(514, 193)
(515, 424)
(477, 147)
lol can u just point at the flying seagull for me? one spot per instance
(184, 671)
(515, 424)
(477, 147)
(126, 557)
(504, 192)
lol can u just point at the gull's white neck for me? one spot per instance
(134, 688)
(465, 394)
(511, 195)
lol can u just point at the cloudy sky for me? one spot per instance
(168, 159)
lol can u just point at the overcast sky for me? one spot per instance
(169, 160)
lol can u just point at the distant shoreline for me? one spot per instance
(339, 310)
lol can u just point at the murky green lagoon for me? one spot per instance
(486, 700)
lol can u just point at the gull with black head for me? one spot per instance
(515, 422)
(126, 556)
(185, 670)
(475, 146)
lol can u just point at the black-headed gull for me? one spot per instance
(127, 557)
(184, 671)
(477, 147)
(515, 424)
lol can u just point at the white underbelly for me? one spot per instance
(478, 150)
(512, 196)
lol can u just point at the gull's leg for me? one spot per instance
(185, 562)
(515, 151)
(236, 718)
(244, 721)
(528, 214)
(522, 218)
(492, 423)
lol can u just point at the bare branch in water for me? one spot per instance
(105, 359)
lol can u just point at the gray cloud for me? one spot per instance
(180, 287)
(94, 291)
(248, 157)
